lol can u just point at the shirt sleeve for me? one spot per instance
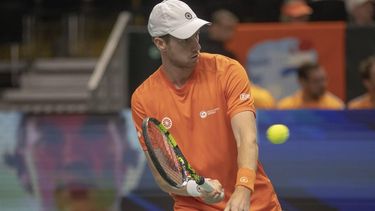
(237, 90)
(138, 115)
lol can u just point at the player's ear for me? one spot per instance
(160, 43)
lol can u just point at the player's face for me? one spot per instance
(75, 161)
(316, 83)
(183, 53)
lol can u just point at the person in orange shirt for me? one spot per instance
(204, 101)
(367, 72)
(263, 99)
(313, 94)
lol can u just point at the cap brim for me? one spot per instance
(189, 29)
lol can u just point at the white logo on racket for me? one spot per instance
(244, 180)
(167, 122)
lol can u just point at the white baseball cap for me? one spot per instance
(351, 4)
(174, 17)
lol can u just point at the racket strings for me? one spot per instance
(165, 155)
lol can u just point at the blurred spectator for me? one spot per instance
(313, 94)
(72, 162)
(361, 12)
(221, 30)
(295, 11)
(262, 97)
(367, 72)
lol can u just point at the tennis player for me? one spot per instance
(204, 101)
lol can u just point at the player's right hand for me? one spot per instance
(214, 196)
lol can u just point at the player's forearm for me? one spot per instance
(244, 129)
(247, 153)
(247, 149)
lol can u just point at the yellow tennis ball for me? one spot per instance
(278, 133)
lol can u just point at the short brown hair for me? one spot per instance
(365, 67)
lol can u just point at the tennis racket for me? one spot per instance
(169, 160)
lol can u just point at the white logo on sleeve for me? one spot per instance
(167, 122)
(244, 96)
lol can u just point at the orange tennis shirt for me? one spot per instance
(198, 116)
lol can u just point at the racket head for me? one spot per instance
(162, 152)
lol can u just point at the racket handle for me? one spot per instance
(193, 188)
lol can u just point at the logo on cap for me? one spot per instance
(188, 16)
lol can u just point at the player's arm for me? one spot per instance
(240, 102)
(244, 130)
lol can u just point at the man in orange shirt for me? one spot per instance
(313, 94)
(367, 71)
(204, 100)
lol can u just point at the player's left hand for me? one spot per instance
(240, 200)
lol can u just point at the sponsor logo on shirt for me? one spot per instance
(244, 96)
(204, 114)
(167, 122)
